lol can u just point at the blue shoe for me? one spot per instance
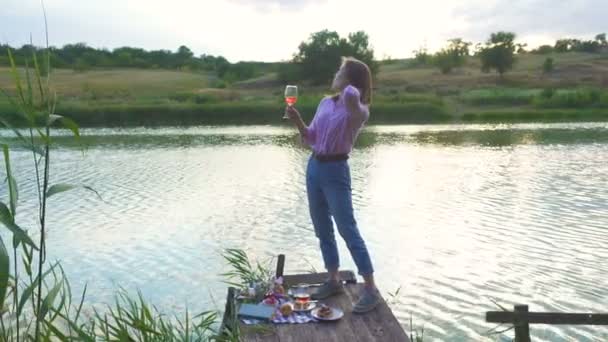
(328, 289)
(368, 301)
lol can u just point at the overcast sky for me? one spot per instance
(271, 30)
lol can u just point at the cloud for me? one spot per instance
(271, 30)
(533, 18)
(284, 5)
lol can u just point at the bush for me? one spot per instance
(422, 57)
(604, 100)
(498, 53)
(548, 65)
(452, 56)
(81, 65)
(288, 73)
(580, 98)
(543, 50)
(210, 96)
(405, 98)
(180, 97)
(499, 96)
(238, 72)
(547, 93)
(220, 84)
(204, 98)
(445, 61)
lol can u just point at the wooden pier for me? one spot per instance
(521, 318)
(377, 325)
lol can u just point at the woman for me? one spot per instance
(331, 135)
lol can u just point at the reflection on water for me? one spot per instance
(455, 215)
(484, 135)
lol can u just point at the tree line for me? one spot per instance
(498, 52)
(82, 57)
(316, 60)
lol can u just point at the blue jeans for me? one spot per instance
(329, 194)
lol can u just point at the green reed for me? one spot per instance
(37, 305)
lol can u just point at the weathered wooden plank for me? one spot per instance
(312, 332)
(344, 331)
(318, 278)
(377, 325)
(264, 333)
(359, 323)
(548, 318)
(382, 325)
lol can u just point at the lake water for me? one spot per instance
(456, 216)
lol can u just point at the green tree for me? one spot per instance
(543, 50)
(444, 60)
(498, 53)
(590, 46)
(289, 72)
(453, 56)
(601, 39)
(548, 65)
(319, 56)
(183, 55)
(422, 56)
(459, 46)
(221, 66)
(563, 45)
(358, 46)
(123, 58)
(239, 71)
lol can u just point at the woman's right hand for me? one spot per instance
(292, 113)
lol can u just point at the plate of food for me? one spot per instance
(326, 313)
(299, 306)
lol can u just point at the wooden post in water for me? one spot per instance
(280, 266)
(522, 327)
(229, 324)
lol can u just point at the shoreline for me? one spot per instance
(247, 114)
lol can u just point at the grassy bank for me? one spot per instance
(268, 113)
(404, 93)
(232, 114)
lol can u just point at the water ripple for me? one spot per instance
(457, 216)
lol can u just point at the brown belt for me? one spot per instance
(330, 157)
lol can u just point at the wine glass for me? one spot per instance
(301, 294)
(291, 97)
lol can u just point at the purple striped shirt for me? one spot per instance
(335, 126)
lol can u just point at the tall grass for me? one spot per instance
(134, 320)
(242, 275)
(575, 98)
(229, 113)
(499, 96)
(547, 98)
(35, 296)
(36, 107)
